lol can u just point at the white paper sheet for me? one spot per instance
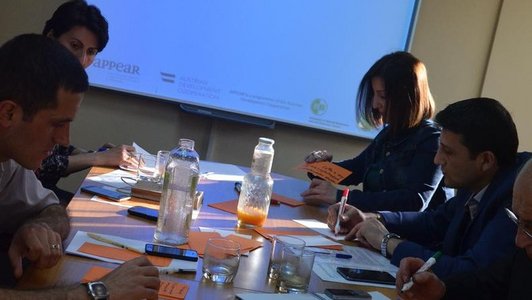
(320, 227)
(208, 167)
(114, 179)
(225, 233)
(81, 237)
(316, 240)
(139, 149)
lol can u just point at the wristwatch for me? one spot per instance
(97, 290)
(384, 243)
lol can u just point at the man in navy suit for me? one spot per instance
(508, 278)
(478, 156)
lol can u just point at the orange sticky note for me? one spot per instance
(326, 170)
(120, 254)
(167, 290)
(246, 245)
(227, 206)
(286, 200)
(173, 290)
(198, 240)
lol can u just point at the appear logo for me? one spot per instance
(318, 106)
(112, 65)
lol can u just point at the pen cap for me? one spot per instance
(346, 192)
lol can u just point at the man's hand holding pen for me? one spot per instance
(426, 284)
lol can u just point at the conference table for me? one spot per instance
(110, 217)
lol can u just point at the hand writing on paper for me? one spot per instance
(427, 286)
(135, 279)
(351, 217)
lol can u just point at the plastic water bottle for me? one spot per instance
(179, 188)
(254, 200)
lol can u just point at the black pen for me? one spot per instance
(238, 187)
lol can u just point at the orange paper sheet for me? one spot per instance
(227, 206)
(326, 170)
(121, 254)
(232, 205)
(167, 290)
(198, 240)
(286, 200)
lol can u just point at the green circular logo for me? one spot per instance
(318, 106)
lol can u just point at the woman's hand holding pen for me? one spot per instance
(426, 284)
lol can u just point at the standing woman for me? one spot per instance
(397, 168)
(83, 30)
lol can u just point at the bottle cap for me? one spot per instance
(266, 140)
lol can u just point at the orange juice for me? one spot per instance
(251, 216)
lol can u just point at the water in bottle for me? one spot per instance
(256, 192)
(179, 188)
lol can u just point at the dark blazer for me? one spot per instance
(490, 236)
(509, 278)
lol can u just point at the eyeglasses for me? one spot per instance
(519, 224)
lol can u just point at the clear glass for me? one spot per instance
(179, 188)
(295, 271)
(221, 260)
(278, 244)
(162, 159)
(256, 192)
(146, 168)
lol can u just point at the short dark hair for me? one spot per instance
(32, 70)
(484, 125)
(408, 97)
(78, 13)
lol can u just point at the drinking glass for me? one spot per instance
(221, 260)
(146, 168)
(160, 164)
(295, 271)
(279, 243)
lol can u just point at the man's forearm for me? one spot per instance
(56, 217)
(71, 293)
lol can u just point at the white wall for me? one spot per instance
(453, 38)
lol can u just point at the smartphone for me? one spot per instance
(341, 294)
(372, 276)
(166, 251)
(109, 193)
(144, 212)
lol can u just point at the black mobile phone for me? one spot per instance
(109, 193)
(144, 212)
(372, 276)
(167, 251)
(341, 294)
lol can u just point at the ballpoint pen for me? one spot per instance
(341, 210)
(112, 242)
(429, 263)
